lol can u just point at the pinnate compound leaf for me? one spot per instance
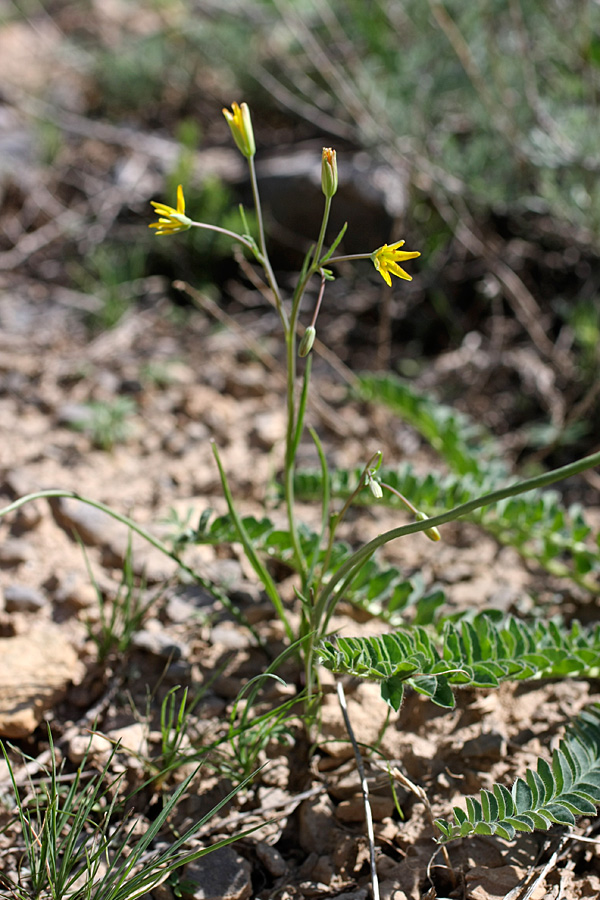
(482, 652)
(555, 793)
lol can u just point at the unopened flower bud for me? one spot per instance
(329, 174)
(308, 339)
(240, 124)
(375, 487)
(432, 533)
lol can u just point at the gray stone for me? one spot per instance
(158, 643)
(75, 415)
(14, 551)
(317, 833)
(93, 526)
(271, 859)
(23, 598)
(353, 809)
(220, 875)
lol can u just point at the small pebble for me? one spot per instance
(22, 598)
(14, 551)
(271, 859)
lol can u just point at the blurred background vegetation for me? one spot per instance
(474, 127)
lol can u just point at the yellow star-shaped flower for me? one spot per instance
(171, 220)
(386, 260)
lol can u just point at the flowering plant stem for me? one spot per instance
(320, 589)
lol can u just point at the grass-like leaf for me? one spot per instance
(480, 652)
(552, 793)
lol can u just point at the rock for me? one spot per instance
(495, 884)
(35, 671)
(361, 894)
(14, 551)
(23, 598)
(230, 635)
(158, 643)
(271, 859)
(94, 746)
(92, 526)
(162, 892)
(220, 875)
(148, 562)
(318, 832)
(133, 739)
(489, 745)
(75, 415)
(367, 712)
(74, 591)
(27, 517)
(353, 810)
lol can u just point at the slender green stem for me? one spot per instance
(321, 238)
(357, 559)
(339, 518)
(294, 418)
(225, 231)
(325, 498)
(265, 261)
(349, 257)
(292, 439)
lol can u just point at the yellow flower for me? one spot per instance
(386, 261)
(171, 220)
(240, 124)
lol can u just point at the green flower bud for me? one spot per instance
(329, 174)
(432, 533)
(375, 487)
(308, 339)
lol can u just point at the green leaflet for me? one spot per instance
(554, 793)
(481, 652)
